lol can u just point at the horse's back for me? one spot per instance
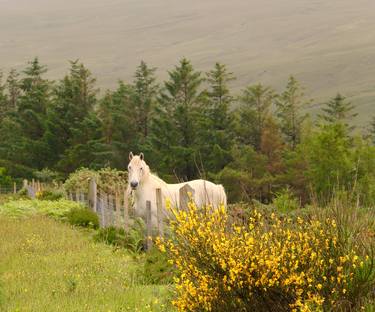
(208, 193)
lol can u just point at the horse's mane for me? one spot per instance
(155, 176)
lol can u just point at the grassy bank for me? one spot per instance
(46, 265)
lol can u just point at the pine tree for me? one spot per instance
(87, 150)
(4, 107)
(145, 90)
(272, 146)
(289, 106)
(34, 99)
(338, 110)
(12, 147)
(174, 128)
(119, 125)
(74, 99)
(31, 113)
(256, 101)
(14, 91)
(215, 133)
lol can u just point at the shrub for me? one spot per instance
(5, 179)
(132, 240)
(4, 198)
(109, 180)
(111, 236)
(79, 180)
(16, 170)
(84, 217)
(50, 194)
(157, 269)
(285, 201)
(47, 175)
(23, 192)
(271, 264)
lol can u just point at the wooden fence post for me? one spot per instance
(148, 225)
(14, 188)
(159, 212)
(110, 209)
(185, 193)
(126, 211)
(118, 209)
(104, 208)
(106, 211)
(92, 195)
(80, 197)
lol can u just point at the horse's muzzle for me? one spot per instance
(134, 184)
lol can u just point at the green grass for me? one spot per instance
(18, 208)
(46, 265)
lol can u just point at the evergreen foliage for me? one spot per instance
(190, 126)
(338, 110)
(256, 102)
(175, 127)
(289, 110)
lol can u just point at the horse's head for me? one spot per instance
(137, 170)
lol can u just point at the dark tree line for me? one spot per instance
(191, 125)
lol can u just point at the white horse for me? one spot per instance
(144, 184)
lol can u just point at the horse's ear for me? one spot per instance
(141, 156)
(131, 155)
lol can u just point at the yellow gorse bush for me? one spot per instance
(271, 264)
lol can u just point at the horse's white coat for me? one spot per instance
(205, 192)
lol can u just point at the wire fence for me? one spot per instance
(116, 209)
(10, 189)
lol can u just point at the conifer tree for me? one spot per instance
(256, 101)
(119, 125)
(34, 99)
(289, 111)
(4, 107)
(338, 110)
(12, 139)
(145, 90)
(13, 87)
(31, 113)
(174, 128)
(74, 98)
(215, 133)
(272, 146)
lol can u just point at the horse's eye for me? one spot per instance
(141, 168)
(129, 167)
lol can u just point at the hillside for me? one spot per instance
(328, 45)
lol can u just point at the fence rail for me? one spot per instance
(116, 209)
(11, 189)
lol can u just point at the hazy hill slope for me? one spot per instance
(329, 45)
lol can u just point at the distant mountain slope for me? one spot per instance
(328, 45)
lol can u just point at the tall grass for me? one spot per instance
(48, 266)
(356, 230)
